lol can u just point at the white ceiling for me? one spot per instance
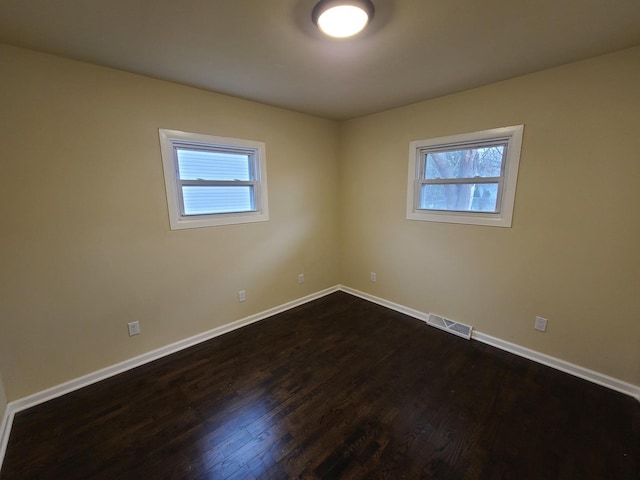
(270, 51)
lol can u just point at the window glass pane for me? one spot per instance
(481, 161)
(212, 165)
(461, 197)
(205, 200)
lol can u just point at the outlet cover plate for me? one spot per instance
(540, 324)
(134, 328)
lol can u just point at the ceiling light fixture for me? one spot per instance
(342, 18)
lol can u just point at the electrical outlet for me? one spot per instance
(540, 324)
(372, 276)
(242, 295)
(301, 278)
(134, 328)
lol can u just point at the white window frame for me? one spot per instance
(170, 140)
(512, 135)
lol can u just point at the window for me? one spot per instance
(468, 178)
(213, 180)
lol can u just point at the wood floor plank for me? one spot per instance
(336, 388)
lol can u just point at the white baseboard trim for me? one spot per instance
(91, 378)
(386, 303)
(559, 364)
(553, 362)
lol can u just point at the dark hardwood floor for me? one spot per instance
(337, 388)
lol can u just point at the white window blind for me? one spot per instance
(213, 180)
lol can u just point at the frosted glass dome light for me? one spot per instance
(342, 19)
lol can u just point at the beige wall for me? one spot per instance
(572, 254)
(86, 245)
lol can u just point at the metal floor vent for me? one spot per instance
(450, 326)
